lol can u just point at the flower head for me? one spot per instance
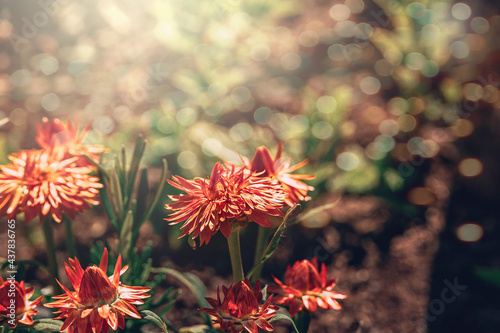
(98, 302)
(280, 170)
(306, 286)
(229, 194)
(240, 309)
(15, 304)
(42, 183)
(54, 134)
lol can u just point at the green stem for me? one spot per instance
(302, 321)
(51, 252)
(70, 237)
(260, 246)
(233, 241)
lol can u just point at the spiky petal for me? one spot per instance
(229, 194)
(306, 286)
(57, 135)
(241, 310)
(98, 302)
(279, 169)
(45, 183)
(15, 304)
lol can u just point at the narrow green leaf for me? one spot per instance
(117, 196)
(158, 193)
(46, 325)
(285, 316)
(189, 280)
(154, 319)
(126, 235)
(134, 164)
(142, 196)
(273, 244)
(99, 166)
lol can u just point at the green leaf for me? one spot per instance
(492, 276)
(189, 280)
(98, 166)
(126, 235)
(158, 191)
(273, 244)
(154, 319)
(46, 325)
(284, 316)
(142, 196)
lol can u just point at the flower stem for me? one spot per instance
(51, 252)
(260, 246)
(70, 237)
(233, 241)
(302, 321)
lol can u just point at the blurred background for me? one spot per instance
(394, 103)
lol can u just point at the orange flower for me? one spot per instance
(240, 310)
(306, 287)
(229, 194)
(280, 170)
(99, 302)
(42, 183)
(54, 134)
(15, 304)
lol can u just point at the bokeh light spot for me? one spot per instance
(186, 116)
(470, 232)
(460, 11)
(309, 38)
(407, 123)
(187, 160)
(340, 12)
(459, 49)
(50, 102)
(326, 104)
(241, 132)
(470, 167)
(462, 128)
(480, 25)
(370, 85)
(322, 130)
(347, 161)
(389, 127)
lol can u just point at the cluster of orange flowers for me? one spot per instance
(52, 180)
(57, 180)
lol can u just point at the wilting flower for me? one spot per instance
(307, 287)
(240, 308)
(42, 183)
(230, 193)
(54, 134)
(280, 169)
(98, 302)
(15, 304)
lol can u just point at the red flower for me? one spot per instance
(54, 134)
(306, 287)
(42, 183)
(229, 194)
(99, 302)
(240, 309)
(15, 304)
(280, 170)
